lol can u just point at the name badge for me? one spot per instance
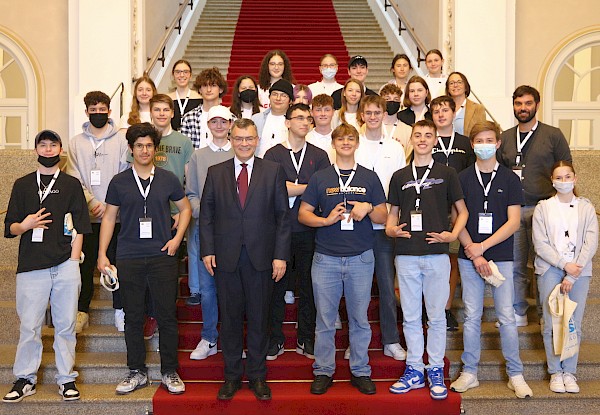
(568, 256)
(37, 235)
(95, 177)
(145, 228)
(416, 221)
(485, 224)
(347, 224)
(518, 170)
(291, 201)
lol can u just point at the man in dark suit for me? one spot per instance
(245, 235)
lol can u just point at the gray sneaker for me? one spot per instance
(173, 383)
(136, 379)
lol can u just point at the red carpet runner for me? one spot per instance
(304, 30)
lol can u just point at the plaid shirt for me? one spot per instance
(195, 128)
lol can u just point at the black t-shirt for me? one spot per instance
(323, 193)
(505, 191)
(177, 116)
(124, 193)
(438, 193)
(66, 197)
(315, 159)
(461, 155)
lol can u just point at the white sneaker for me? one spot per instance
(347, 353)
(203, 350)
(173, 383)
(289, 297)
(517, 383)
(464, 382)
(82, 322)
(134, 380)
(520, 321)
(394, 351)
(120, 319)
(557, 384)
(570, 380)
(338, 322)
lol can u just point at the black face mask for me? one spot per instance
(392, 107)
(248, 95)
(99, 119)
(49, 161)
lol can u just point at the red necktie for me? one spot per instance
(242, 184)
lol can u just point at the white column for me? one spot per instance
(101, 53)
(484, 50)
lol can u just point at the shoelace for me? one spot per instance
(436, 376)
(20, 383)
(173, 378)
(130, 376)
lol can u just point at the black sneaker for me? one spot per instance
(321, 384)
(21, 388)
(364, 384)
(451, 323)
(275, 351)
(69, 391)
(306, 348)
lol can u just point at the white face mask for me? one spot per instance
(563, 187)
(329, 73)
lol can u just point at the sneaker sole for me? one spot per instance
(301, 351)
(71, 398)
(211, 352)
(438, 397)
(363, 391)
(512, 388)
(279, 353)
(323, 391)
(171, 392)
(389, 354)
(140, 386)
(401, 391)
(466, 388)
(559, 390)
(31, 392)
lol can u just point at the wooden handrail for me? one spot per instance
(159, 55)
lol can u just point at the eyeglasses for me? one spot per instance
(455, 83)
(331, 65)
(276, 64)
(375, 113)
(141, 147)
(302, 118)
(240, 140)
(182, 72)
(279, 95)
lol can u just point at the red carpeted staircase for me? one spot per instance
(304, 30)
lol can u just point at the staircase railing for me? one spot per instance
(176, 25)
(412, 45)
(121, 86)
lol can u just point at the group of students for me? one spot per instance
(284, 188)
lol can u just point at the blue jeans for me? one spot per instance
(579, 292)
(473, 287)
(352, 276)
(522, 247)
(425, 276)
(200, 281)
(61, 285)
(384, 270)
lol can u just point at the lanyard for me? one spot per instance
(447, 151)
(391, 133)
(96, 146)
(43, 195)
(566, 220)
(419, 184)
(143, 192)
(486, 189)
(182, 107)
(521, 144)
(297, 164)
(344, 187)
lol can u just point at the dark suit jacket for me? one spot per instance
(263, 226)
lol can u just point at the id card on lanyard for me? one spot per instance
(518, 167)
(297, 166)
(37, 234)
(145, 222)
(346, 224)
(416, 216)
(486, 220)
(447, 151)
(96, 174)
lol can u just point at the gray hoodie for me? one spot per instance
(110, 158)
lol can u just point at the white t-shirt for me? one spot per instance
(437, 86)
(323, 141)
(321, 87)
(274, 132)
(350, 119)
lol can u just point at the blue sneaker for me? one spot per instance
(437, 387)
(411, 379)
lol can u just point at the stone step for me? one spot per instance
(494, 397)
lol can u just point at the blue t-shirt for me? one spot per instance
(124, 193)
(505, 191)
(323, 193)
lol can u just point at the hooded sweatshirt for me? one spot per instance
(109, 158)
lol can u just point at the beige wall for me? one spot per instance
(542, 25)
(158, 15)
(43, 30)
(424, 17)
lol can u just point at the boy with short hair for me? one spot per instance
(394, 128)
(94, 157)
(48, 210)
(421, 195)
(320, 135)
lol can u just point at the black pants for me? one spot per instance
(244, 290)
(87, 269)
(303, 247)
(159, 274)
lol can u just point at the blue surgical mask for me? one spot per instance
(563, 187)
(485, 151)
(329, 73)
